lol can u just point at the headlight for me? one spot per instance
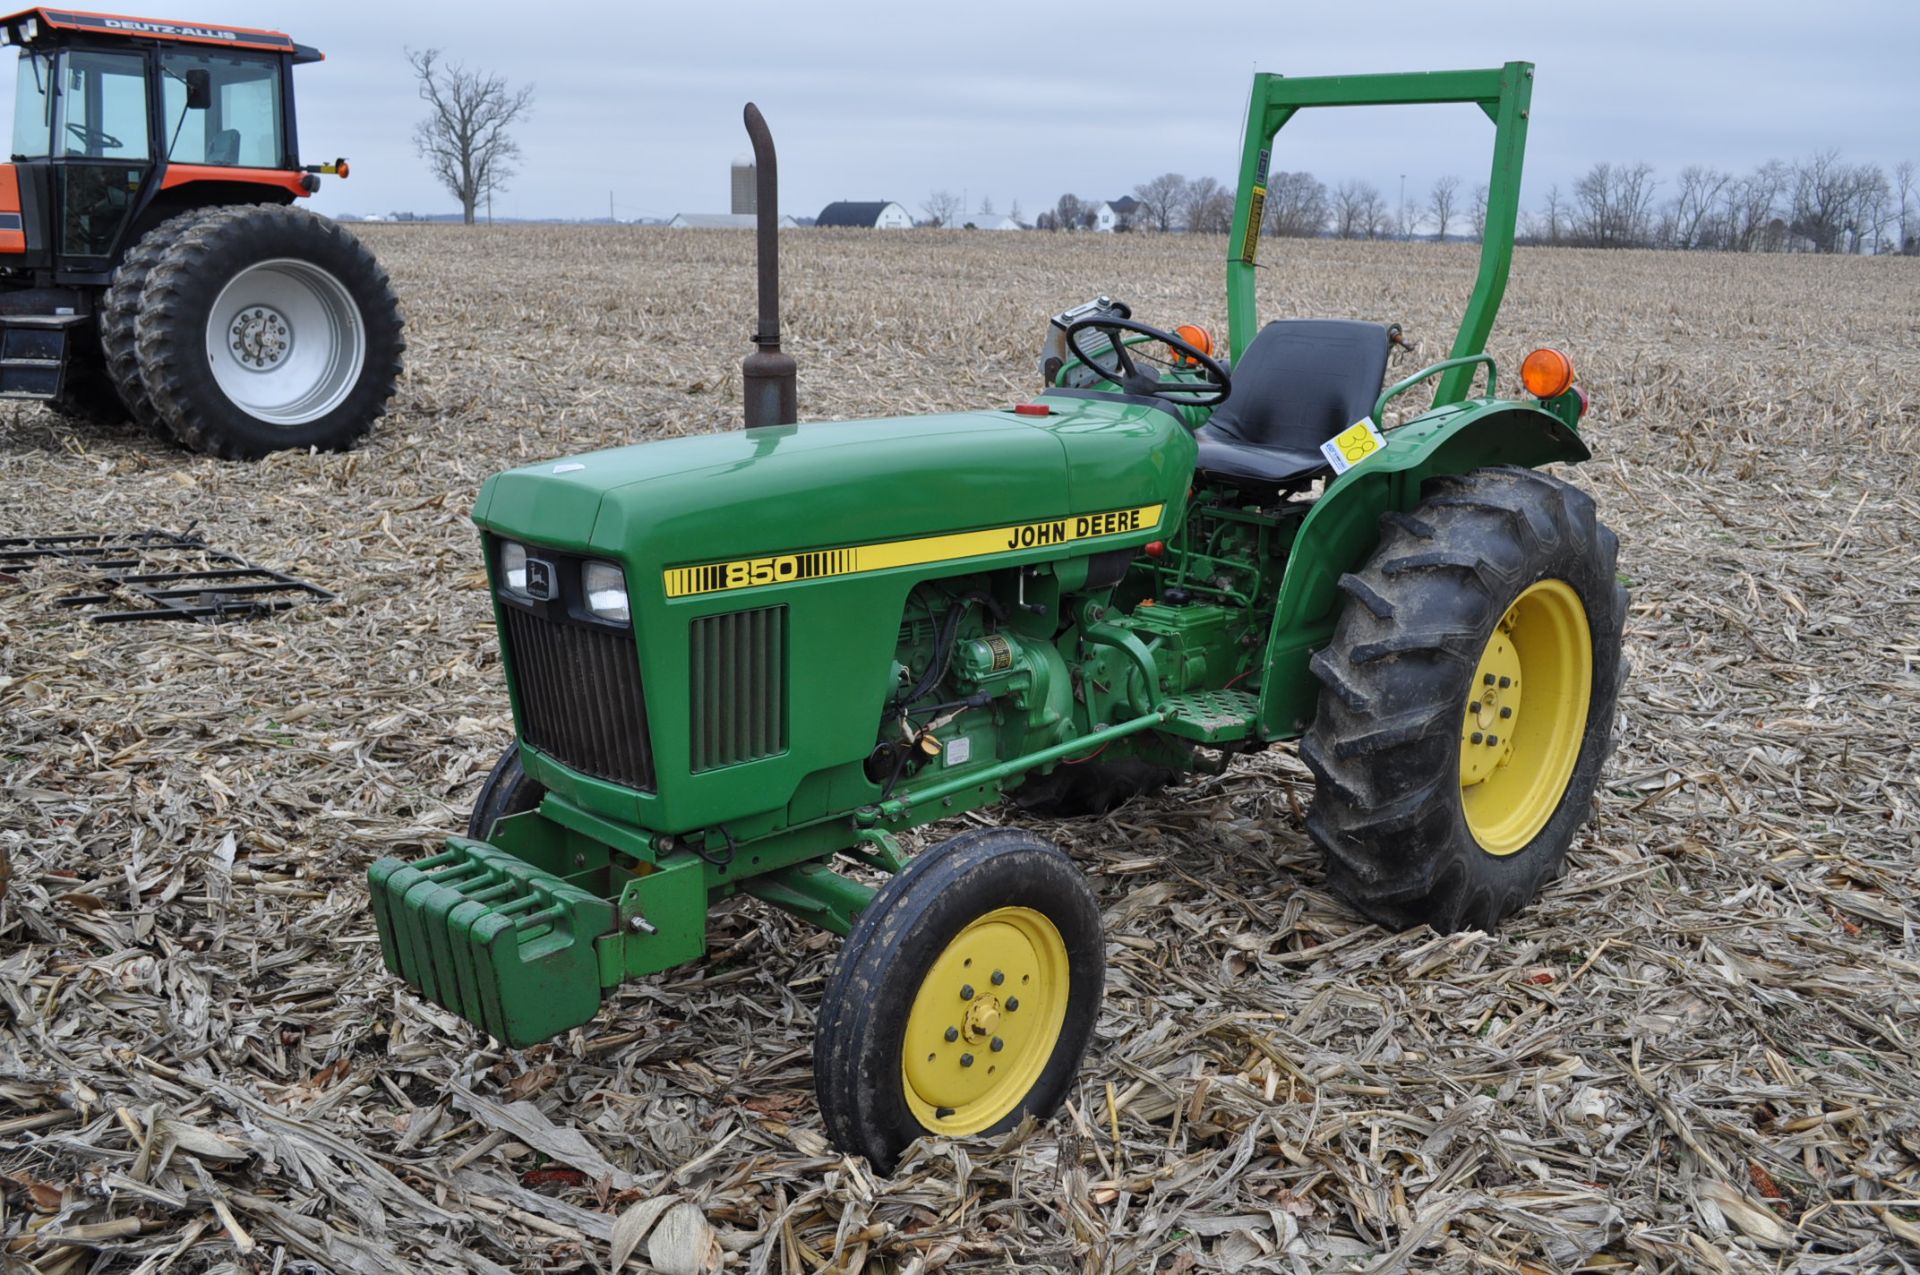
(606, 588)
(513, 567)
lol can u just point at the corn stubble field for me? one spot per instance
(1699, 1052)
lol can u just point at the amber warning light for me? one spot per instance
(1547, 373)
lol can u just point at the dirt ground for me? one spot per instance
(1700, 1051)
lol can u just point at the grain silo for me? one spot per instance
(743, 186)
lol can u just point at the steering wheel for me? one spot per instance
(1134, 379)
(107, 140)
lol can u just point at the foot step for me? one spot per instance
(1211, 717)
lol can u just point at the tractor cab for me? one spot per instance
(164, 153)
(119, 123)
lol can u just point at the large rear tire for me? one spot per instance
(964, 998)
(1467, 701)
(266, 328)
(120, 310)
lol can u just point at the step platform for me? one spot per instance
(1211, 717)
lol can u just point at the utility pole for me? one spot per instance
(610, 217)
(1403, 206)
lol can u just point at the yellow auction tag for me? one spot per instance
(1352, 445)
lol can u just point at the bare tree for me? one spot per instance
(1613, 206)
(1477, 212)
(1354, 203)
(1750, 209)
(1903, 174)
(1014, 211)
(1551, 222)
(1691, 218)
(942, 207)
(1161, 199)
(986, 206)
(1441, 204)
(1070, 211)
(1296, 205)
(1207, 208)
(465, 138)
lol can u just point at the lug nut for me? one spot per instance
(1475, 737)
(1489, 679)
(1492, 740)
(953, 1034)
(1506, 712)
(1013, 1003)
(966, 1060)
(966, 991)
(1505, 682)
(997, 1045)
(998, 978)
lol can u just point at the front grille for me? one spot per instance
(738, 663)
(580, 698)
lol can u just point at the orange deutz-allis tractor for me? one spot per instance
(152, 263)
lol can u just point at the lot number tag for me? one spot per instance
(1352, 445)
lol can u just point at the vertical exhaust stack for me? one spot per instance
(769, 374)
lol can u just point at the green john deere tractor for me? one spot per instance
(737, 661)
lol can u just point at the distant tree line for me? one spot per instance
(1818, 204)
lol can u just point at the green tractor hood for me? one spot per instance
(785, 488)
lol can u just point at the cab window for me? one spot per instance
(234, 121)
(103, 106)
(33, 106)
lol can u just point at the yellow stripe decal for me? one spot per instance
(816, 564)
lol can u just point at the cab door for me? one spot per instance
(102, 152)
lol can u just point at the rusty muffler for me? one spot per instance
(769, 393)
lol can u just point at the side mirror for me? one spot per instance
(199, 89)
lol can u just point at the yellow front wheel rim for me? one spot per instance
(1526, 717)
(985, 1021)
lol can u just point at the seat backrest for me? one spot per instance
(224, 150)
(1301, 381)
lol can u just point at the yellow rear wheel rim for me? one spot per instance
(985, 1021)
(1526, 716)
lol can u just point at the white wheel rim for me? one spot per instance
(285, 341)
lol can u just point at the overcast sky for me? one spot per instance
(641, 99)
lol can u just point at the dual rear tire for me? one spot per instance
(247, 330)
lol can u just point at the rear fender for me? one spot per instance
(1344, 526)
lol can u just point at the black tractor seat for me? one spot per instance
(1299, 383)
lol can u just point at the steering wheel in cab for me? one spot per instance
(107, 141)
(1117, 362)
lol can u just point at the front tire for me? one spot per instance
(964, 998)
(1467, 701)
(265, 328)
(507, 791)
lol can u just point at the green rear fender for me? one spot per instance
(1344, 526)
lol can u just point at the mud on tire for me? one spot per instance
(1386, 742)
(293, 261)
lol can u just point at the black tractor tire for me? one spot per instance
(973, 888)
(1393, 745)
(279, 258)
(1090, 788)
(120, 308)
(507, 791)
